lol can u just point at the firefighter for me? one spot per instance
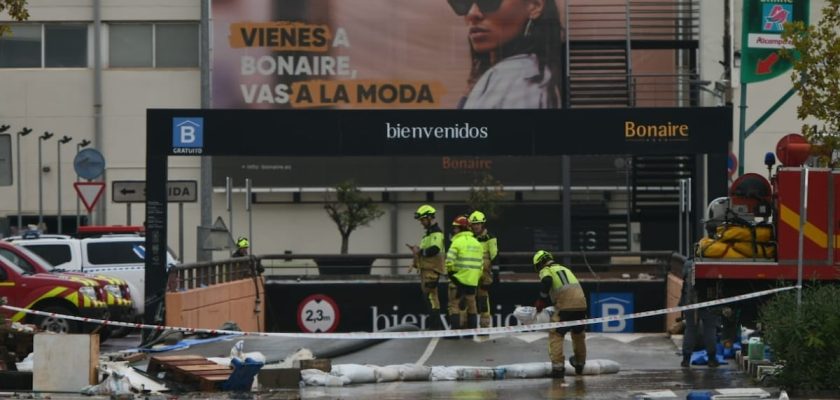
(463, 265)
(702, 321)
(491, 250)
(428, 260)
(242, 245)
(560, 286)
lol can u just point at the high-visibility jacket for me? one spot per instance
(464, 258)
(430, 256)
(565, 290)
(491, 250)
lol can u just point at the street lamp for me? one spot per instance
(23, 132)
(79, 146)
(64, 140)
(44, 137)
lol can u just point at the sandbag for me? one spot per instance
(596, 367)
(356, 373)
(316, 377)
(527, 315)
(411, 372)
(467, 373)
(388, 373)
(527, 370)
(440, 373)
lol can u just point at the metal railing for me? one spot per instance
(513, 265)
(208, 273)
(609, 263)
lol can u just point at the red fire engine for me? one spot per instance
(753, 240)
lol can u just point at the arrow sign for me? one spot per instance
(765, 66)
(89, 192)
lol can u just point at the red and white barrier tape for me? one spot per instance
(417, 334)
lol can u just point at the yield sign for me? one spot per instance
(89, 192)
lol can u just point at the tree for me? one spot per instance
(350, 210)
(485, 194)
(816, 78)
(16, 9)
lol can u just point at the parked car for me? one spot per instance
(59, 294)
(120, 255)
(116, 290)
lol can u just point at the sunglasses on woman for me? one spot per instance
(462, 7)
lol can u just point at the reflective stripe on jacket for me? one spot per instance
(464, 258)
(566, 292)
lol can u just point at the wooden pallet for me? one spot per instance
(191, 370)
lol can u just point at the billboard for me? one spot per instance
(384, 54)
(761, 36)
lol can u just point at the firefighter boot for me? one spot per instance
(454, 323)
(558, 371)
(472, 321)
(579, 346)
(434, 321)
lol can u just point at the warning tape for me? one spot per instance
(417, 334)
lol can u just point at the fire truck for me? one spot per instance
(768, 233)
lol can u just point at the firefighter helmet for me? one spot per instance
(425, 211)
(540, 258)
(242, 242)
(461, 222)
(477, 217)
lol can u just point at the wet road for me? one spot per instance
(649, 368)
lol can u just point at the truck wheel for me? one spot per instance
(57, 324)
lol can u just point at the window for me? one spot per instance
(63, 46)
(130, 45)
(116, 252)
(177, 45)
(160, 45)
(21, 48)
(55, 254)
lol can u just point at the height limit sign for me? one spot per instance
(318, 313)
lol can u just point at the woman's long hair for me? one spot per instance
(545, 40)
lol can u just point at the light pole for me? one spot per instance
(79, 146)
(44, 137)
(23, 132)
(64, 140)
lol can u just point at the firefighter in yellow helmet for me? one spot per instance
(428, 260)
(561, 287)
(464, 261)
(491, 250)
(242, 245)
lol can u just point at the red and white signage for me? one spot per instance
(90, 193)
(318, 313)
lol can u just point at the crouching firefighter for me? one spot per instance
(560, 287)
(428, 260)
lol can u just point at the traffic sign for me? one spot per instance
(89, 163)
(318, 313)
(135, 191)
(89, 192)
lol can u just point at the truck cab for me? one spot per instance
(59, 294)
(118, 255)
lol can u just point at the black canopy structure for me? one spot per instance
(326, 132)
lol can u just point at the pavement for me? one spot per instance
(649, 368)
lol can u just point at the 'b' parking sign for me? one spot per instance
(187, 132)
(611, 304)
